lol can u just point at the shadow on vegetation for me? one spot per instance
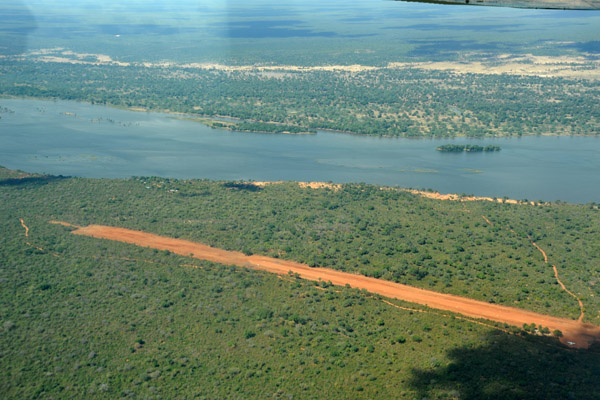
(242, 186)
(511, 367)
(35, 180)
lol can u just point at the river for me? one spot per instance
(78, 139)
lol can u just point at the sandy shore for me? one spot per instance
(457, 197)
(429, 195)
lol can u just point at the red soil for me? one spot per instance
(575, 333)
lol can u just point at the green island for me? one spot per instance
(469, 148)
(83, 316)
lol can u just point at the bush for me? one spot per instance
(557, 333)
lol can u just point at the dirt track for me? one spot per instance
(582, 335)
(24, 226)
(562, 285)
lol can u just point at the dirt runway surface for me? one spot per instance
(575, 333)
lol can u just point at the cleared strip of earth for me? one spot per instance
(575, 333)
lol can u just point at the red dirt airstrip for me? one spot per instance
(575, 333)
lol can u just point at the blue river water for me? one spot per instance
(78, 139)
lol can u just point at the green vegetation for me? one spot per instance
(87, 318)
(272, 128)
(386, 102)
(386, 97)
(213, 123)
(101, 319)
(388, 234)
(260, 127)
(470, 148)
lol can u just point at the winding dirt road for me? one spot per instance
(24, 226)
(575, 333)
(562, 285)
